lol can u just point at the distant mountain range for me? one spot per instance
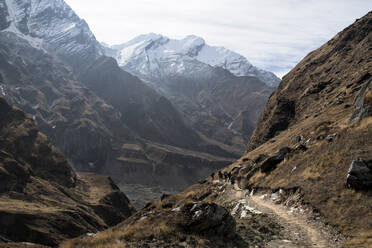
(217, 90)
(196, 114)
(104, 119)
(155, 56)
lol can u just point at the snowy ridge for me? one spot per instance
(146, 55)
(51, 25)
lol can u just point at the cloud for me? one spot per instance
(272, 34)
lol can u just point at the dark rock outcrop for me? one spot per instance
(270, 163)
(331, 137)
(359, 176)
(281, 114)
(207, 218)
(297, 139)
(300, 147)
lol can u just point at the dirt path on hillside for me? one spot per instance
(299, 230)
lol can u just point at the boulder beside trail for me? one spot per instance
(207, 217)
(359, 176)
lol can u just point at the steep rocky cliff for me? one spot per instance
(42, 200)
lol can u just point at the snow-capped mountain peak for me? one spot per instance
(137, 40)
(145, 53)
(191, 45)
(49, 24)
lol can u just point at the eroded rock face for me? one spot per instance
(363, 103)
(360, 175)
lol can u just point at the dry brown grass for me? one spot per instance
(156, 221)
(311, 174)
(140, 230)
(101, 241)
(364, 239)
(368, 97)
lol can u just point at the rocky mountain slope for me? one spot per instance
(218, 91)
(308, 165)
(293, 101)
(327, 124)
(53, 68)
(42, 199)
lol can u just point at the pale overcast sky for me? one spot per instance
(273, 34)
